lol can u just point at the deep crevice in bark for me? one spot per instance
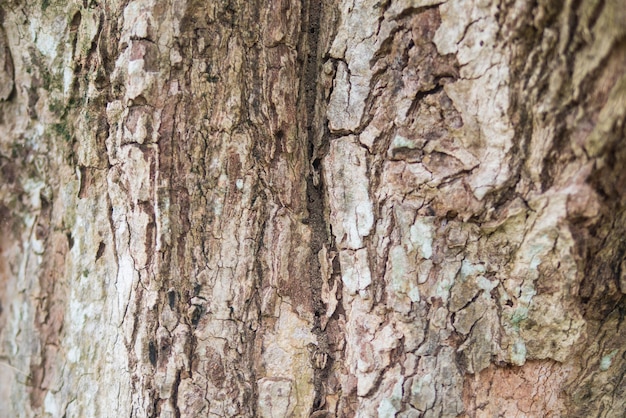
(316, 206)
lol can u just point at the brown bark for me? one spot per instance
(312, 208)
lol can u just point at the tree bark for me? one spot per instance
(409, 208)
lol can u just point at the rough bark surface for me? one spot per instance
(410, 208)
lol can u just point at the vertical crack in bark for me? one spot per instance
(311, 11)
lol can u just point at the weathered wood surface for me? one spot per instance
(319, 208)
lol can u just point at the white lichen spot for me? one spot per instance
(423, 392)
(68, 77)
(469, 269)
(51, 405)
(239, 184)
(73, 354)
(421, 236)
(606, 361)
(355, 270)
(444, 284)
(351, 212)
(517, 353)
(48, 35)
(486, 284)
(402, 276)
(392, 404)
(138, 79)
(518, 315)
(401, 142)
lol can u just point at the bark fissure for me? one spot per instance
(316, 219)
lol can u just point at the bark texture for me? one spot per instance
(408, 208)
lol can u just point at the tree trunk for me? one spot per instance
(410, 208)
